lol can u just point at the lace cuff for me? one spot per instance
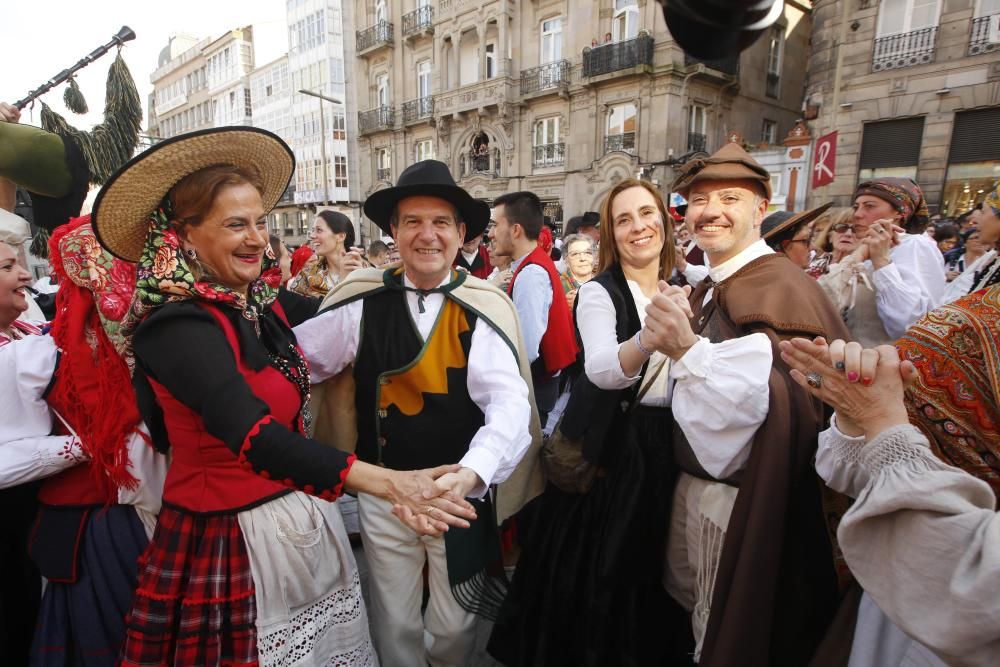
(838, 461)
(898, 445)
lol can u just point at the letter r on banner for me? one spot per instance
(824, 160)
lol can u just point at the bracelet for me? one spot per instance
(638, 344)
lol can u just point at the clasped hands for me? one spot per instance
(864, 386)
(667, 327)
(430, 501)
(883, 235)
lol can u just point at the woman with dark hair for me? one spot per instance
(896, 274)
(332, 237)
(946, 236)
(588, 587)
(284, 257)
(249, 562)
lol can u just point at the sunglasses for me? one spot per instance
(843, 227)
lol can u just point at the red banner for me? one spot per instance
(824, 160)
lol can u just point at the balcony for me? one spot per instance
(476, 96)
(618, 56)
(376, 120)
(418, 22)
(696, 141)
(723, 69)
(417, 110)
(550, 76)
(620, 142)
(383, 174)
(979, 38)
(374, 38)
(486, 163)
(904, 50)
(548, 155)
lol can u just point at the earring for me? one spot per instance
(191, 253)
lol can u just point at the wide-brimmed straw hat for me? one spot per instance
(123, 206)
(781, 221)
(729, 163)
(428, 178)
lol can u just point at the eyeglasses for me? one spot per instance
(843, 227)
(580, 253)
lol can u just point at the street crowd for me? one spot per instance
(692, 434)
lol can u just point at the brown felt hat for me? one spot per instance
(730, 162)
(121, 211)
(787, 221)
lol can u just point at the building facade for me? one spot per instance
(561, 98)
(912, 88)
(202, 83)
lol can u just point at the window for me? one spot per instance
(491, 60)
(973, 159)
(697, 140)
(774, 54)
(424, 79)
(621, 128)
(769, 132)
(551, 40)
(901, 16)
(339, 171)
(891, 148)
(625, 23)
(987, 8)
(383, 161)
(382, 90)
(547, 131)
(247, 106)
(339, 126)
(424, 150)
(381, 12)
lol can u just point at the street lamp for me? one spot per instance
(322, 140)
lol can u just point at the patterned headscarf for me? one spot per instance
(904, 195)
(993, 199)
(95, 290)
(164, 275)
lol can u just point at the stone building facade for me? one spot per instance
(561, 98)
(912, 88)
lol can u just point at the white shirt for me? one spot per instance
(330, 341)
(720, 396)
(962, 284)
(911, 285)
(532, 297)
(27, 451)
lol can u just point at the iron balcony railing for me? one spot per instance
(549, 155)
(620, 142)
(379, 118)
(383, 174)
(696, 141)
(543, 77)
(979, 38)
(418, 109)
(482, 163)
(904, 50)
(380, 33)
(419, 20)
(618, 56)
(730, 66)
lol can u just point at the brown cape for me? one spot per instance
(776, 589)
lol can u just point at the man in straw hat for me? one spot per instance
(748, 552)
(439, 374)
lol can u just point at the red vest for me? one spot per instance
(205, 475)
(480, 267)
(558, 348)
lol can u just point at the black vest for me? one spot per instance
(413, 404)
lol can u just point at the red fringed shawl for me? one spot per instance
(95, 290)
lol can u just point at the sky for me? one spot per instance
(43, 37)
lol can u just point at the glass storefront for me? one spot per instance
(966, 185)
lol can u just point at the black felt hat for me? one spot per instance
(782, 221)
(429, 178)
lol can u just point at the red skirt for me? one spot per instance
(195, 601)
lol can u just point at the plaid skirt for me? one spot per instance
(195, 601)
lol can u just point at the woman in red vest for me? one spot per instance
(249, 563)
